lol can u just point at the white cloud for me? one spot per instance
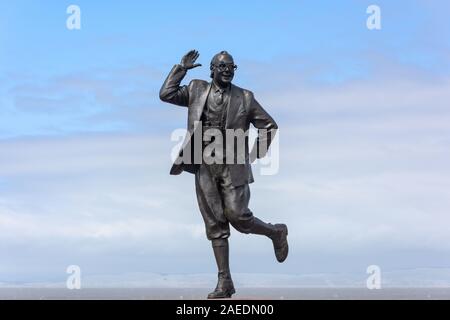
(363, 166)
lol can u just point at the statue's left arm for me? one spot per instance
(267, 129)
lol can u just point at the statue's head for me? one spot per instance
(222, 68)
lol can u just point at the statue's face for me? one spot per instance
(224, 70)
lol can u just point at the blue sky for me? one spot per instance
(325, 38)
(85, 142)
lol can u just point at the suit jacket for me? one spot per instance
(243, 109)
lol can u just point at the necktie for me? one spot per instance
(218, 96)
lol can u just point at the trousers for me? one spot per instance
(221, 203)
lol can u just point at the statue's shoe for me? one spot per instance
(280, 243)
(224, 289)
(221, 294)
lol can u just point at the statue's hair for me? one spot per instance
(214, 59)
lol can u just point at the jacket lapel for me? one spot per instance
(198, 110)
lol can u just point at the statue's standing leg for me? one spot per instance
(217, 229)
(225, 286)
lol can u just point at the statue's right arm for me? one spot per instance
(171, 91)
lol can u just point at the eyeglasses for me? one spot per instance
(222, 67)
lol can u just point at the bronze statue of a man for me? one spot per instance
(222, 187)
